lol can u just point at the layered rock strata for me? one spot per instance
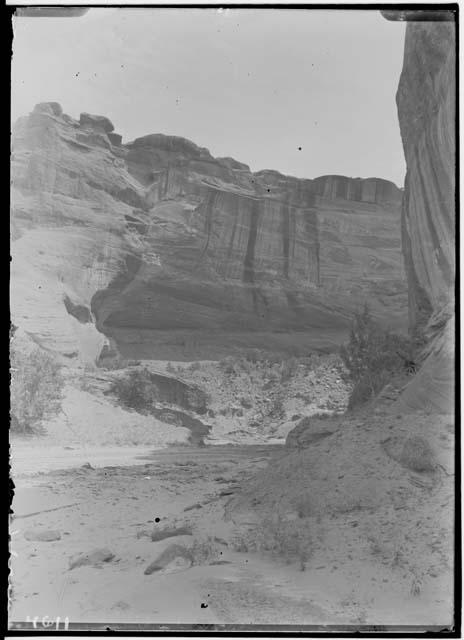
(159, 250)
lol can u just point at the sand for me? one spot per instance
(116, 507)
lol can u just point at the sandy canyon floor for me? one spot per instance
(121, 496)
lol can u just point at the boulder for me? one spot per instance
(96, 122)
(52, 108)
(414, 453)
(308, 431)
(172, 144)
(91, 558)
(115, 139)
(176, 557)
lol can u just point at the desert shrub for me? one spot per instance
(135, 390)
(36, 388)
(234, 366)
(371, 356)
(288, 369)
(274, 357)
(276, 408)
(304, 506)
(228, 366)
(254, 355)
(366, 387)
(118, 362)
(204, 550)
(170, 368)
(246, 403)
(290, 540)
(417, 454)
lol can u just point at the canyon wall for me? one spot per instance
(156, 249)
(426, 102)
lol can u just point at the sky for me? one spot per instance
(305, 92)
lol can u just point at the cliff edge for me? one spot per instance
(426, 102)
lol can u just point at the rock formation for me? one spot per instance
(158, 250)
(427, 109)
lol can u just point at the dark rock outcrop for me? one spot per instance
(115, 139)
(179, 255)
(176, 392)
(427, 109)
(308, 431)
(96, 122)
(175, 558)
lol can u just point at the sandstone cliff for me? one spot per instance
(158, 250)
(426, 108)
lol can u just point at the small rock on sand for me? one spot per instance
(174, 558)
(197, 505)
(91, 558)
(42, 535)
(169, 532)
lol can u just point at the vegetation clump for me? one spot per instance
(372, 356)
(417, 454)
(291, 540)
(36, 387)
(135, 390)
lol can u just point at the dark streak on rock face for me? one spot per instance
(286, 236)
(99, 304)
(249, 262)
(312, 230)
(234, 212)
(78, 311)
(209, 217)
